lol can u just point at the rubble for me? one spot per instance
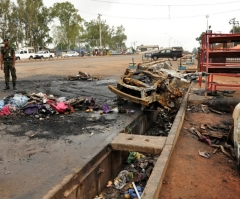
(154, 85)
(84, 76)
(216, 136)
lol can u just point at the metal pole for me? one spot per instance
(207, 20)
(100, 32)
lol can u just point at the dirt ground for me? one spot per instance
(192, 176)
(188, 174)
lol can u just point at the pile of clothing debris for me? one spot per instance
(131, 181)
(42, 105)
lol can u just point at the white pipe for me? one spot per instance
(135, 188)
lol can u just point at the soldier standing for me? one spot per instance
(8, 58)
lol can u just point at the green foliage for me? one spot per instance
(70, 24)
(195, 51)
(28, 23)
(236, 29)
(110, 37)
(199, 39)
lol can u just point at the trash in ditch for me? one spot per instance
(163, 123)
(132, 179)
(134, 155)
(136, 192)
(99, 197)
(122, 179)
(109, 184)
(204, 154)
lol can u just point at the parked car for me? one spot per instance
(44, 55)
(25, 53)
(115, 53)
(71, 54)
(173, 52)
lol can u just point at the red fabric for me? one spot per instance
(60, 106)
(5, 111)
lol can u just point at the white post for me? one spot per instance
(207, 20)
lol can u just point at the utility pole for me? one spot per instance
(100, 32)
(134, 43)
(233, 22)
(207, 16)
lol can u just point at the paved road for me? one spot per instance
(103, 66)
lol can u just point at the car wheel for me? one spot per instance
(51, 57)
(42, 57)
(174, 58)
(17, 58)
(30, 57)
(155, 58)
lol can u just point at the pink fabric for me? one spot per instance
(60, 106)
(205, 139)
(5, 111)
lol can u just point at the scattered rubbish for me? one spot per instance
(205, 108)
(203, 126)
(215, 150)
(214, 111)
(83, 76)
(204, 154)
(134, 155)
(109, 183)
(131, 181)
(8, 172)
(138, 191)
(209, 127)
(91, 134)
(122, 179)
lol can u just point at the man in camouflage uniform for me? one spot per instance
(8, 58)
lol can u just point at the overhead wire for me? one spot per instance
(166, 18)
(162, 5)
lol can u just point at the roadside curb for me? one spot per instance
(154, 184)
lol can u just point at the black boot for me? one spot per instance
(7, 86)
(14, 86)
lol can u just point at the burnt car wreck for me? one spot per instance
(152, 85)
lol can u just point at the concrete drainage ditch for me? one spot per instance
(92, 179)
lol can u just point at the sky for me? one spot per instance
(163, 23)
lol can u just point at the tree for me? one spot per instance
(199, 39)
(120, 37)
(195, 50)
(236, 29)
(111, 38)
(28, 23)
(70, 24)
(5, 12)
(92, 33)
